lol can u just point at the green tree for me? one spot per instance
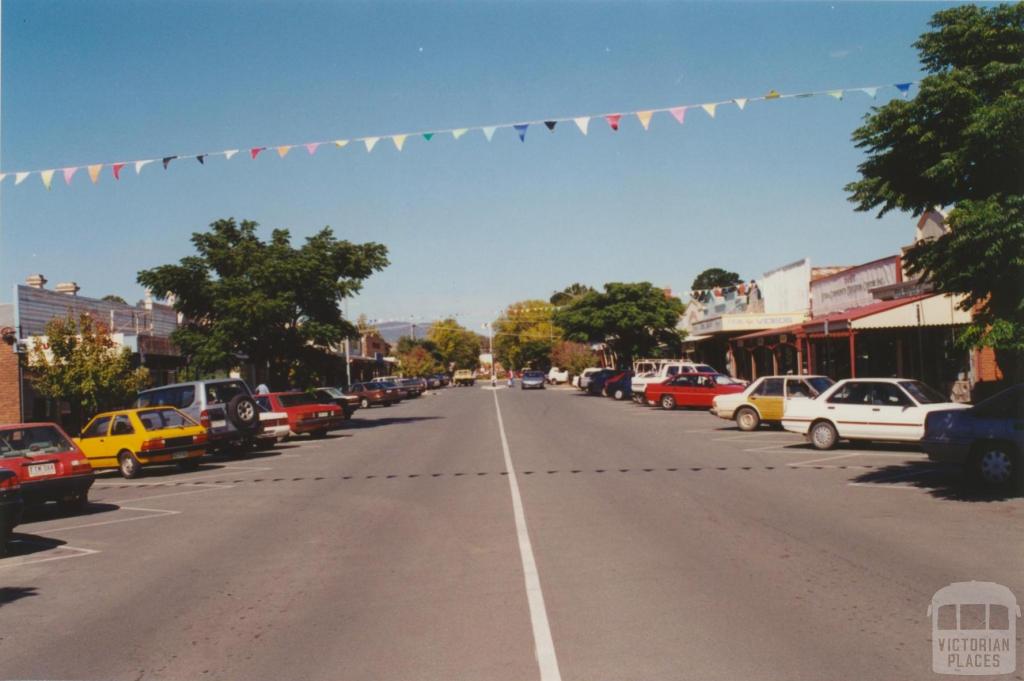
(569, 294)
(633, 319)
(573, 356)
(525, 334)
(715, 276)
(114, 298)
(418, 362)
(265, 300)
(81, 364)
(960, 143)
(456, 345)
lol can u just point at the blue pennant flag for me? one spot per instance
(903, 87)
(521, 129)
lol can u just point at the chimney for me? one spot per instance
(36, 280)
(67, 287)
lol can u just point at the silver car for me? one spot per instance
(532, 379)
(225, 407)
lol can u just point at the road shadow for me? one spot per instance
(53, 511)
(942, 481)
(9, 594)
(26, 544)
(389, 420)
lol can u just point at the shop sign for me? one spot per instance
(852, 288)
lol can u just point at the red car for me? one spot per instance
(10, 506)
(305, 414)
(691, 390)
(49, 465)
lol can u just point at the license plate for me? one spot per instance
(218, 424)
(35, 470)
(323, 414)
(179, 455)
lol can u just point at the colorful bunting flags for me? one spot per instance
(644, 116)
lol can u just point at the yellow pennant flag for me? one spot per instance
(645, 118)
(340, 143)
(459, 133)
(282, 151)
(94, 172)
(710, 108)
(47, 177)
(399, 141)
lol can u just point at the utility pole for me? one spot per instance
(348, 353)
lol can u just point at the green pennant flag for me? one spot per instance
(428, 135)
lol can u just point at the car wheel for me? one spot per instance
(242, 412)
(993, 464)
(128, 466)
(364, 403)
(619, 394)
(747, 419)
(823, 435)
(668, 402)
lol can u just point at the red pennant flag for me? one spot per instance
(117, 170)
(255, 151)
(613, 120)
(679, 113)
(311, 147)
(68, 174)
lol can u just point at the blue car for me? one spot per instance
(988, 438)
(532, 379)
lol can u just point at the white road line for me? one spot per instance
(76, 553)
(824, 458)
(544, 646)
(203, 487)
(153, 513)
(158, 482)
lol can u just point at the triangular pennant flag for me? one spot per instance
(903, 87)
(139, 165)
(582, 122)
(255, 151)
(399, 141)
(20, 177)
(340, 143)
(428, 135)
(94, 172)
(551, 125)
(2, 176)
(459, 133)
(47, 177)
(679, 113)
(370, 142)
(838, 94)
(870, 91)
(229, 153)
(710, 108)
(645, 118)
(116, 168)
(489, 132)
(312, 147)
(740, 102)
(521, 129)
(772, 94)
(613, 120)
(201, 158)
(167, 161)
(68, 174)
(283, 150)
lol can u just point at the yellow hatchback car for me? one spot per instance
(130, 439)
(764, 400)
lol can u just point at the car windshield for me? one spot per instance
(224, 392)
(820, 384)
(15, 442)
(158, 419)
(332, 392)
(703, 369)
(296, 399)
(533, 374)
(922, 393)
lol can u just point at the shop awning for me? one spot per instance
(792, 329)
(928, 309)
(697, 338)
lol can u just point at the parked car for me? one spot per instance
(595, 386)
(434, 382)
(656, 371)
(890, 409)
(11, 507)
(373, 393)
(691, 390)
(225, 407)
(766, 399)
(414, 387)
(306, 415)
(348, 403)
(464, 377)
(131, 439)
(584, 379)
(49, 466)
(400, 390)
(532, 379)
(274, 424)
(619, 386)
(987, 438)
(556, 376)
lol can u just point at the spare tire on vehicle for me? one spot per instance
(242, 412)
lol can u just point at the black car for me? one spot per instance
(598, 379)
(348, 403)
(11, 506)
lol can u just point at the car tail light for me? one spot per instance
(155, 443)
(204, 418)
(80, 463)
(199, 439)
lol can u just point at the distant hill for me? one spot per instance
(392, 331)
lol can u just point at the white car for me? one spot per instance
(556, 376)
(585, 377)
(890, 409)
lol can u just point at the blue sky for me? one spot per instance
(471, 225)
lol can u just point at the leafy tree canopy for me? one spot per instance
(633, 319)
(960, 142)
(266, 300)
(114, 298)
(573, 356)
(715, 276)
(525, 334)
(418, 362)
(84, 366)
(457, 346)
(569, 294)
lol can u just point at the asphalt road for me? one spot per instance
(648, 545)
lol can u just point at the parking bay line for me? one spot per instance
(27, 560)
(224, 470)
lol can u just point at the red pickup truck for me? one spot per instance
(305, 414)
